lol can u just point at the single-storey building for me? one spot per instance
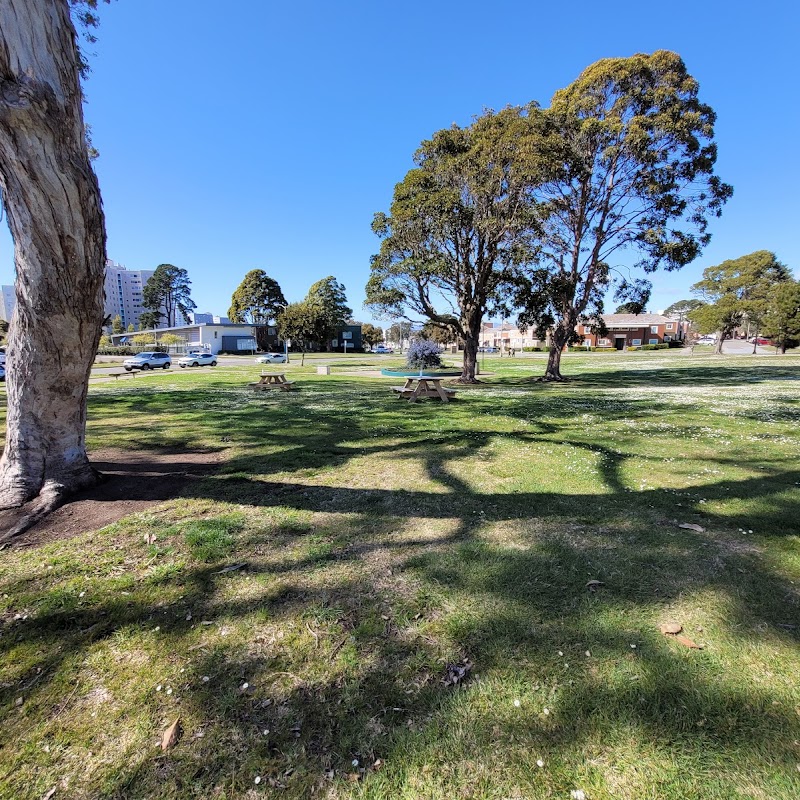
(631, 330)
(216, 338)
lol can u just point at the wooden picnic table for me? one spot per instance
(426, 386)
(273, 380)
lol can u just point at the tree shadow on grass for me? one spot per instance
(345, 667)
(349, 668)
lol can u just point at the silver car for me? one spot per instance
(145, 361)
(271, 358)
(198, 360)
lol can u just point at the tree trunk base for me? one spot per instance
(52, 495)
(468, 381)
(552, 379)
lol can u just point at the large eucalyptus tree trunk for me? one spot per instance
(558, 339)
(52, 199)
(471, 330)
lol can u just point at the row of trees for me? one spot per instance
(526, 208)
(755, 290)
(259, 300)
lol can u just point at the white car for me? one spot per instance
(382, 348)
(707, 340)
(198, 360)
(271, 358)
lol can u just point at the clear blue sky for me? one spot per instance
(260, 134)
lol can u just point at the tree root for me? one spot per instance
(53, 495)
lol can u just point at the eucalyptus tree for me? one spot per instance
(54, 210)
(637, 174)
(257, 299)
(460, 225)
(736, 292)
(371, 334)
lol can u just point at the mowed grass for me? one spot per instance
(302, 609)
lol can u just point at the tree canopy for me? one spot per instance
(735, 291)
(460, 224)
(298, 323)
(782, 320)
(636, 172)
(257, 299)
(327, 306)
(371, 334)
(631, 307)
(167, 292)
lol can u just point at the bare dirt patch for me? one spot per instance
(134, 481)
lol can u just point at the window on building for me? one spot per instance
(652, 341)
(669, 326)
(347, 334)
(604, 342)
(654, 329)
(587, 329)
(587, 342)
(636, 342)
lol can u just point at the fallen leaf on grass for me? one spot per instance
(593, 584)
(670, 628)
(690, 526)
(49, 793)
(231, 568)
(686, 642)
(457, 672)
(171, 735)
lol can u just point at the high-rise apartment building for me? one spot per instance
(124, 292)
(8, 302)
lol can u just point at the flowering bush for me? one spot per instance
(423, 354)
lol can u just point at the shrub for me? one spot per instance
(532, 349)
(655, 346)
(423, 354)
(116, 351)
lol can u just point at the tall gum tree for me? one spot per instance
(737, 292)
(637, 174)
(460, 224)
(52, 200)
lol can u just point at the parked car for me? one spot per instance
(2, 356)
(760, 340)
(2, 373)
(271, 358)
(382, 349)
(707, 340)
(146, 361)
(487, 349)
(198, 360)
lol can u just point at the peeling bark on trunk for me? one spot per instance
(54, 211)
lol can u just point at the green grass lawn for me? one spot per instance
(377, 546)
